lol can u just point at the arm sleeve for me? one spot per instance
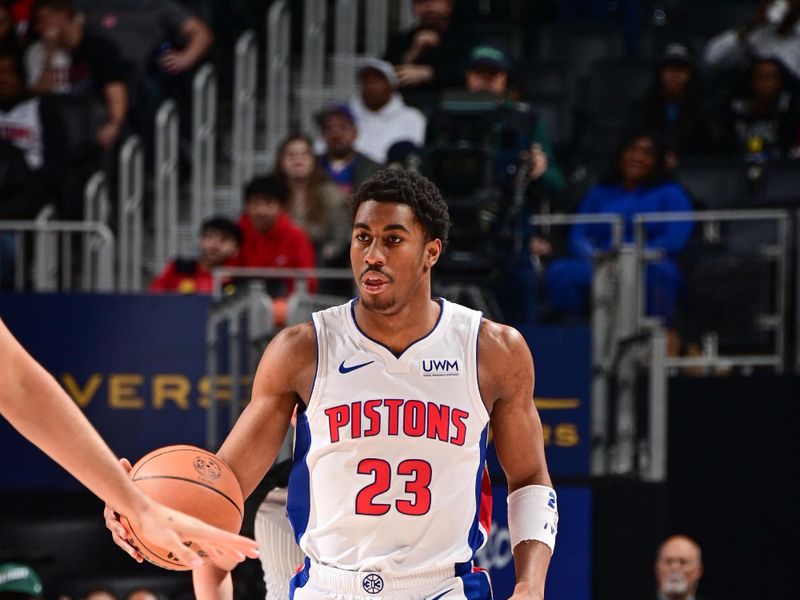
(163, 281)
(725, 50)
(671, 236)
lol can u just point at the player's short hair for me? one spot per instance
(267, 185)
(410, 188)
(224, 226)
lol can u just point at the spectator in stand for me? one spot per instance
(162, 44)
(35, 126)
(764, 123)
(220, 240)
(100, 593)
(346, 167)
(269, 236)
(382, 116)
(21, 11)
(773, 30)
(519, 140)
(429, 57)
(19, 582)
(674, 105)
(315, 202)
(679, 567)
(145, 593)
(637, 183)
(69, 59)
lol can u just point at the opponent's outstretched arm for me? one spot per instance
(507, 376)
(40, 410)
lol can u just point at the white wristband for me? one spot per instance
(533, 515)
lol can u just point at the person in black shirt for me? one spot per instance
(69, 59)
(431, 56)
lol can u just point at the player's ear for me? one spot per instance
(433, 250)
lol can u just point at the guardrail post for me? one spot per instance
(244, 115)
(204, 134)
(167, 173)
(315, 16)
(131, 208)
(278, 79)
(377, 27)
(344, 54)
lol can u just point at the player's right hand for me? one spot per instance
(120, 533)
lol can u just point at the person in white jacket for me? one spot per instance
(383, 118)
(773, 31)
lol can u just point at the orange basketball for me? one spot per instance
(193, 481)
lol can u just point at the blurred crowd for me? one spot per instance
(509, 123)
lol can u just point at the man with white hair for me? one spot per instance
(382, 116)
(679, 567)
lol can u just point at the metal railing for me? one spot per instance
(167, 176)
(777, 251)
(130, 211)
(247, 320)
(244, 116)
(344, 44)
(278, 80)
(312, 77)
(204, 137)
(53, 264)
(377, 27)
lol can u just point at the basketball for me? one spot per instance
(193, 481)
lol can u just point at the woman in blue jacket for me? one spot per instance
(637, 183)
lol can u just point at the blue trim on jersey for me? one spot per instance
(299, 579)
(477, 585)
(476, 536)
(298, 504)
(371, 339)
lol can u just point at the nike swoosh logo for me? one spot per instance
(343, 370)
(442, 594)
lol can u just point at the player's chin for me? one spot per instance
(378, 303)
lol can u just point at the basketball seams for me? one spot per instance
(194, 481)
(183, 448)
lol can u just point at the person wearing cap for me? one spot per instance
(382, 116)
(673, 106)
(490, 70)
(522, 141)
(19, 582)
(430, 56)
(346, 166)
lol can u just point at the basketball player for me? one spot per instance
(41, 411)
(396, 392)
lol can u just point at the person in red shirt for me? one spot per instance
(269, 237)
(219, 243)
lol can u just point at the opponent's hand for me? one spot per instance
(168, 528)
(120, 533)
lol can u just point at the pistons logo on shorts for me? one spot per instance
(372, 584)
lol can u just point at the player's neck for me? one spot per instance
(398, 330)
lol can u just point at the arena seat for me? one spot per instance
(779, 186)
(581, 44)
(715, 183)
(547, 79)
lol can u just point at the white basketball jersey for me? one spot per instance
(389, 454)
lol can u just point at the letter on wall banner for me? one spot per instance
(133, 363)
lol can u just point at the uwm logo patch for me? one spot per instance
(440, 367)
